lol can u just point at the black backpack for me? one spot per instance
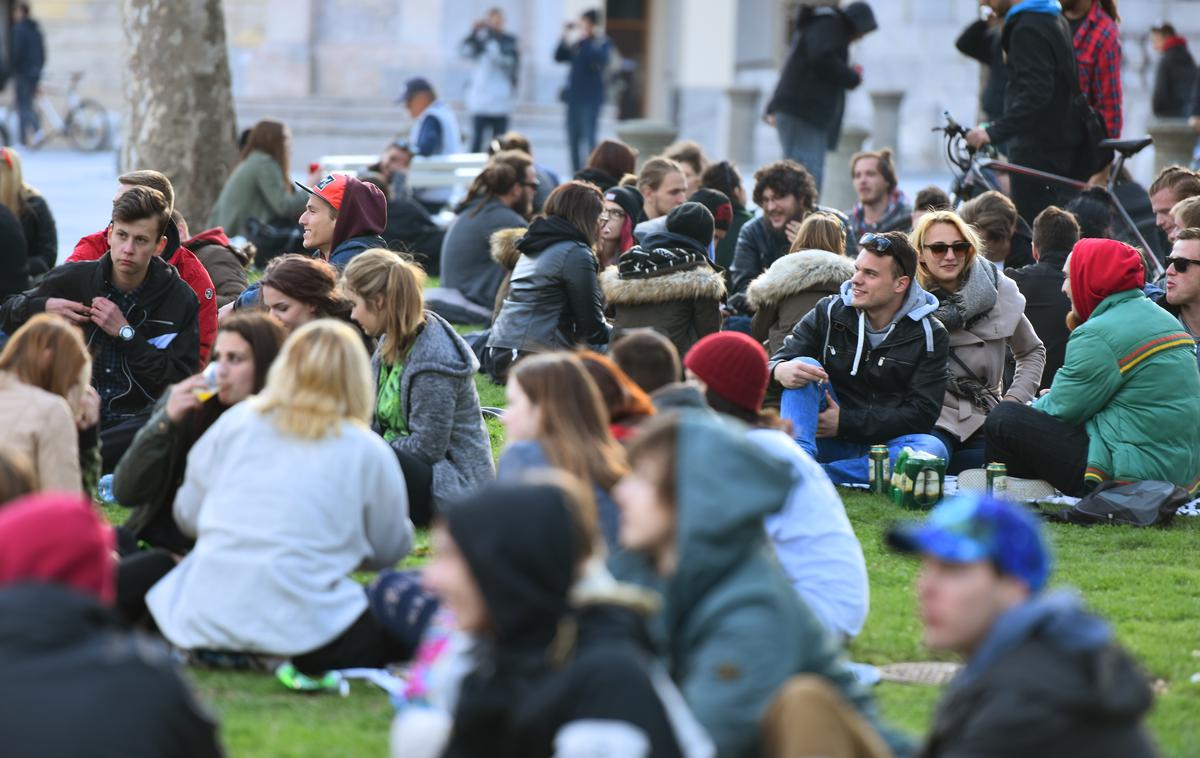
(1135, 504)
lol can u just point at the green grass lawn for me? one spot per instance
(1145, 582)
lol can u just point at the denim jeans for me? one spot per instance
(963, 455)
(581, 131)
(804, 143)
(494, 126)
(845, 462)
(28, 121)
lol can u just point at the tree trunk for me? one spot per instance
(179, 115)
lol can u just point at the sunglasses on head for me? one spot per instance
(940, 248)
(1181, 264)
(884, 245)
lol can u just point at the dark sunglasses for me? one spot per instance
(940, 248)
(1181, 264)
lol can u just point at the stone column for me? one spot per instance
(885, 131)
(1173, 142)
(743, 122)
(839, 189)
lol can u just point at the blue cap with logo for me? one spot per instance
(971, 528)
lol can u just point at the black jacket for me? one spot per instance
(1174, 77)
(899, 386)
(817, 72)
(410, 228)
(28, 49)
(166, 313)
(14, 260)
(76, 683)
(1056, 686)
(554, 299)
(1046, 307)
(981, 41)
(1038, 116)
(759, 245)
(41, 235)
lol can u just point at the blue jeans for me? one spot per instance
(581, 131)
(804, 143)
(28, 121)
(844, 461)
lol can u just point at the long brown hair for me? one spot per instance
(265, 337)
(381, 275)
(49, 353)
(614, 158)
(580, 203)
(573, 424)
(308, 280)
(267, 136)
(623, 398)
(821, 231)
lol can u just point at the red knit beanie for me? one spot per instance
(57, 538)
(1102, 267)
(733, 365)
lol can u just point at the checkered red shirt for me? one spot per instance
(1098, 60)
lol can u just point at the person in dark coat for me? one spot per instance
(76, 682)
(554, 299)
(546, 679)
(14, 261)
(1174, 76)
(1042, 676)
(810, 98)
(1039, 126)
(668, 282)
(1055, 232)
(588, 53)
(28, 60)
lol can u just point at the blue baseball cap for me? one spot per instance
(971, 528)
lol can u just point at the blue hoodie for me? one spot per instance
(1049, 7)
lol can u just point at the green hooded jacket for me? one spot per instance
(735, 628)
(1130, 378)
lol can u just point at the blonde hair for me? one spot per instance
(918, 242)
(321, 378)
(1187, 211)
(821, 231)
(12, 186)
(398, 284)
(49, 353)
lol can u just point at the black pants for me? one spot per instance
(1032, 196)
(418, 478)
(117, 436)
(136, 574)
(28, 121)
(1035, 445)
(963, 455)
(493, 125)
(365, 644)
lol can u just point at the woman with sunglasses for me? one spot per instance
(984, 313)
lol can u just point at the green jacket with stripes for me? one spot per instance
(1130, 378)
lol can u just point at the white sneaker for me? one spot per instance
(1022, 490)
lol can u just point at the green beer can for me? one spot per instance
(997, 479)
(879, 478)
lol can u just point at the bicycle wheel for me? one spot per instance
(88, 127)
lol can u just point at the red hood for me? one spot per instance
(214, 236)
(1102, 267)
(363, 212)
(57, 538)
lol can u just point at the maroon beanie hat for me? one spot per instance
(733, 365)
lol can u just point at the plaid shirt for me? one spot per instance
(108, 370)
(1098, 60)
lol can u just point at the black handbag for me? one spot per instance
(272, 240)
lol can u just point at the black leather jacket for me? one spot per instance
(554, 299)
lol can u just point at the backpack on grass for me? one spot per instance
(1135, 504)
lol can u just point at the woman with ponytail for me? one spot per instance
(427, 407)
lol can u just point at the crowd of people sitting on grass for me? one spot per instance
(658, 562)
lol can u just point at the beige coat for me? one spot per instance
(40, 425)
(788, 290)
(981, 346)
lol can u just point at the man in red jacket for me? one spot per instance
(191, 270)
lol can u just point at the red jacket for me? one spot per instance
(191, 270)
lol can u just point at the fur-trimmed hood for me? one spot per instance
(690, 284)
(504, 246)
(799, 272)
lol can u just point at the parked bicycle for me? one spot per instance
(974, 171)
(85, 124)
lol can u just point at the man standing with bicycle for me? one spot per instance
(1040, 125)
(28, 59)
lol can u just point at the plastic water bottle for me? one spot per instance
(104, 489)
